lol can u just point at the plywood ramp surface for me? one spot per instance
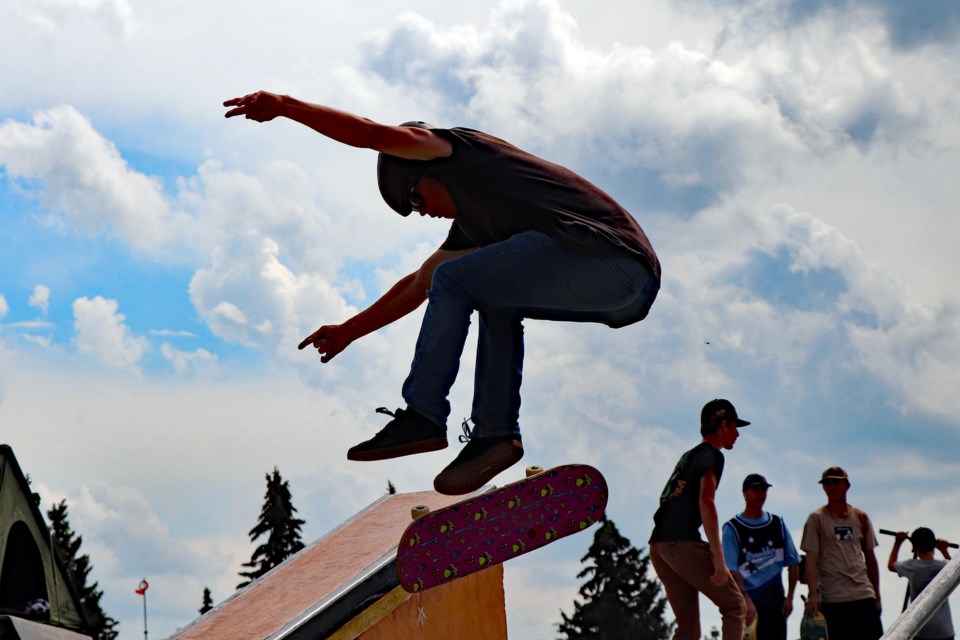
(282, 595)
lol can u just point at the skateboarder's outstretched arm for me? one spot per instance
(402, 298)
(412, 143)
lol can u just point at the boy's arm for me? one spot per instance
(412, 143)
(873, 572)
(711, 526)
(401, 299)
(813, 582)
(793, 575)
(943, 546)
(895, 551)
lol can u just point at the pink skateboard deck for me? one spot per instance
(503, 523)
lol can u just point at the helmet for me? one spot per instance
(396, 175)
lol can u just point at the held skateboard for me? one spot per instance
(488, 529)
(813, 627)
(750, 633)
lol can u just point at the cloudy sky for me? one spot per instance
(794, 163)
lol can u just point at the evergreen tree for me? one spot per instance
(618, 599)
(78, 567)
(207, 601)
(278, 524)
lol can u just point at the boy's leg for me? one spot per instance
(530, 275)
(771, 624)
(856, 620)
(694, 561)
(498, 374)
(671, 567)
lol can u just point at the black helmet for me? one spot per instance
(395, 175)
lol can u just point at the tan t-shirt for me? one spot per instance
(840, 542)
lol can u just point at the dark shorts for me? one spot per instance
(771, 625)
(854, 620)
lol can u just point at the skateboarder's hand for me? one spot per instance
(720, 572)
(328, 340)
(812, 605)
(260, 106)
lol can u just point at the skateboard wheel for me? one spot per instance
(419, 510)
(534, 470)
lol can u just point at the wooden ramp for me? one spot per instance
(345, 586)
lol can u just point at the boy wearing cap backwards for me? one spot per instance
(842, 571)
(529, 239)
(920, 571)
(686, 565)
(757, 546)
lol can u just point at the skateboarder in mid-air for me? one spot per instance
(528, 239)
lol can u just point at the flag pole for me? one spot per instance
(142, 590)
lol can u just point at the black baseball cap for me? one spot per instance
(720, 408)
(755, 480)
(396, 175)
(924, 539)
(834, 473)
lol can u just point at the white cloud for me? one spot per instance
(917, 356)
(172, 333)
(102, 333)
(4, 307)
(184, 362)
(41, 298)
(43, 342)
(87, 185)
(699, 118)
(52, 17)
(789, 176)
(249, 296)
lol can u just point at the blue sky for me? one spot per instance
(794, 164)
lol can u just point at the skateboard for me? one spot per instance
(750, 633)
(485, 530)
(813, 627)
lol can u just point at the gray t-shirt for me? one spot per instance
(501, 191)
(920, 573)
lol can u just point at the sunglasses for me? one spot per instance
(414, 198)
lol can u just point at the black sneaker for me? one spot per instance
(408, 433)
(478, 463)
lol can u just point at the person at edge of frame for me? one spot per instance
(919, 571)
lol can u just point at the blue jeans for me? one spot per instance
(530, 275)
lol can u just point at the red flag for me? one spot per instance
(143, 587)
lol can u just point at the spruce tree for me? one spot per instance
(78, 567)
(207, 601)
(278, 524)
(619, 600)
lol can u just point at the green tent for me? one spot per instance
(30, 569)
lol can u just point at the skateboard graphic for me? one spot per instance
(488, 529)
(813, 627)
